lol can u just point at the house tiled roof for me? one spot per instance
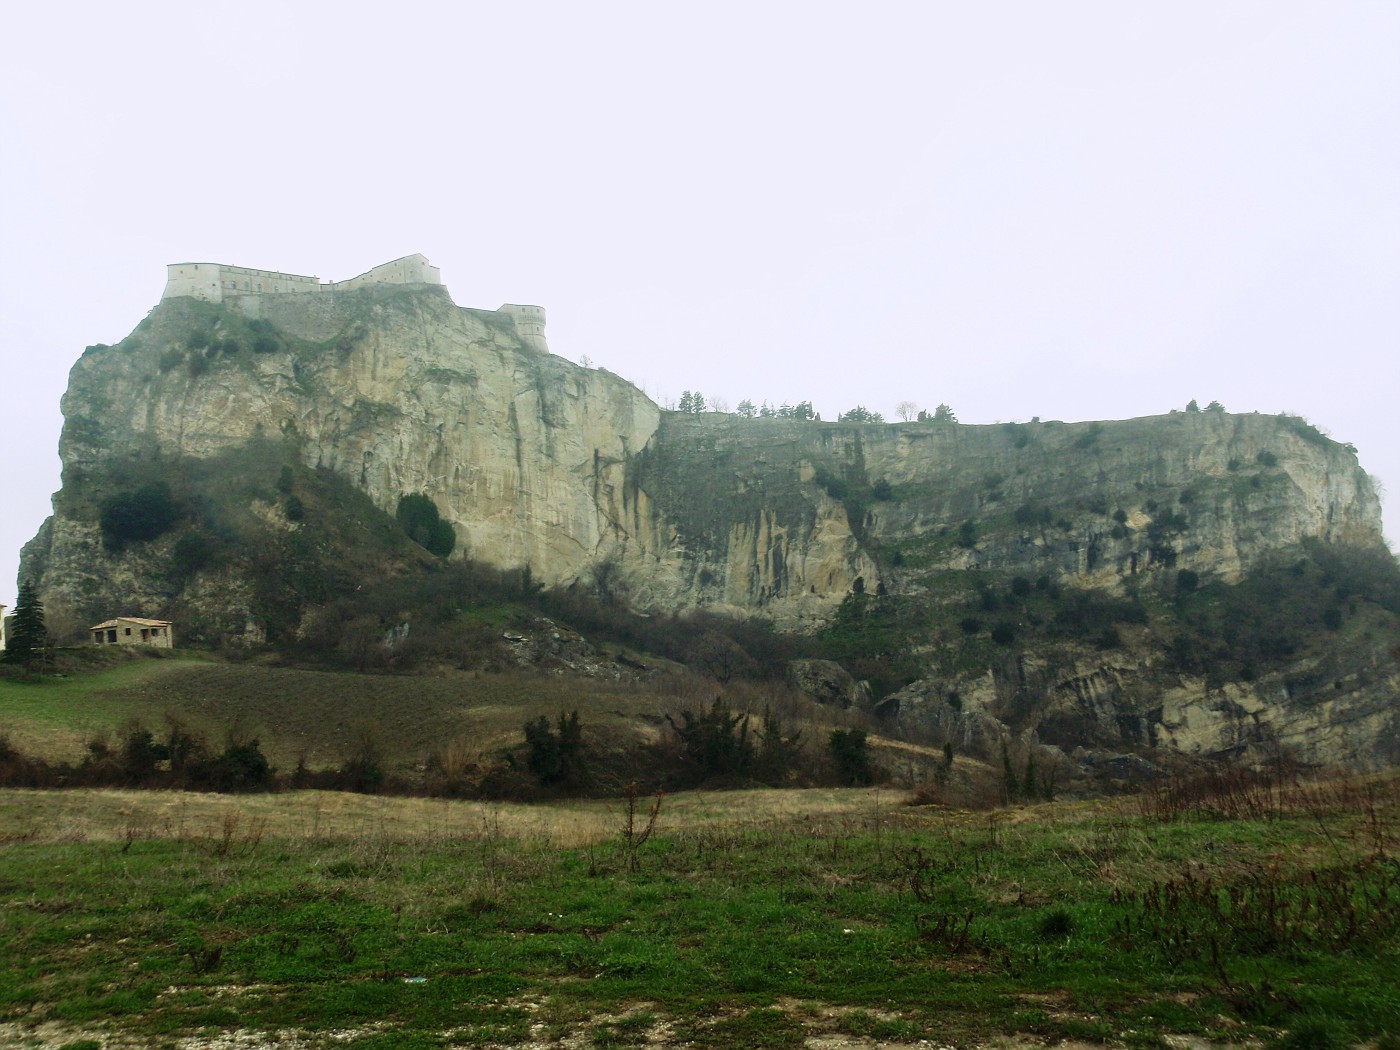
(139, 621)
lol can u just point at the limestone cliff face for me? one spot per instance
(577, 474)
(785, 517)
(399, 392)
(574, 472)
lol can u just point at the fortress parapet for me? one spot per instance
(217, 282)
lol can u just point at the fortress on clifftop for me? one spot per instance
(217, 283)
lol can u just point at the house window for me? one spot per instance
(112, 635)
(128, 631)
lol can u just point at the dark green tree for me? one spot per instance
(716, 741)
(860, 414)
(555, 757)
(138, 516)
(778, 750)
(28, 642)
(852, 757)
(418, 516)
(1011, 783)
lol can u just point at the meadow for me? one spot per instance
(301, 713)
(1233, 911)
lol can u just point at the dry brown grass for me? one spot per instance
(115, 816)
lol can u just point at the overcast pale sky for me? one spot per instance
(1072, 210)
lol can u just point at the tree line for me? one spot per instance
(693, 402)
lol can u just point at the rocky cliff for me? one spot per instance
(398, 391)
(785, 516)
(576, 474)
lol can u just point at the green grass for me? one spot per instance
(88, 701)
(295, 711)
(756, 931)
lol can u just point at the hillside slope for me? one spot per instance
(1014, 585)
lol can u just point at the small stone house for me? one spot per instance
(134, 630)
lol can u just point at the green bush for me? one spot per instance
(266, 338)
(418, 515)
(1090, 437)
(241, 767)
(193, 551)
(134, 517)
(1004, 633)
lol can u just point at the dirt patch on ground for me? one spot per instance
(816, 1020)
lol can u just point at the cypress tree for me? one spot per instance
(29, 638)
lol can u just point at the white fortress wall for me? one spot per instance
(200, 280)
(216, 282)
(411, 269)
(239, 280)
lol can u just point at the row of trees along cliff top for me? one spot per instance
(694, 403)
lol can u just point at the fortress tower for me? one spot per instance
(529, 324)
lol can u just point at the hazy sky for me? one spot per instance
(1070, 210)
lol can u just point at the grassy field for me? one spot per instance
(453, 719)
(317, 714)
(747, 919)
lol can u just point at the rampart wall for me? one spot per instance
(217, 282)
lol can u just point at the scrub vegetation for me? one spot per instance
(1244, 910)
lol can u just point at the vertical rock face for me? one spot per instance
(786, 517)
(576, 474)
(397, 391)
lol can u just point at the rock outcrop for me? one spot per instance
(576, 474)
